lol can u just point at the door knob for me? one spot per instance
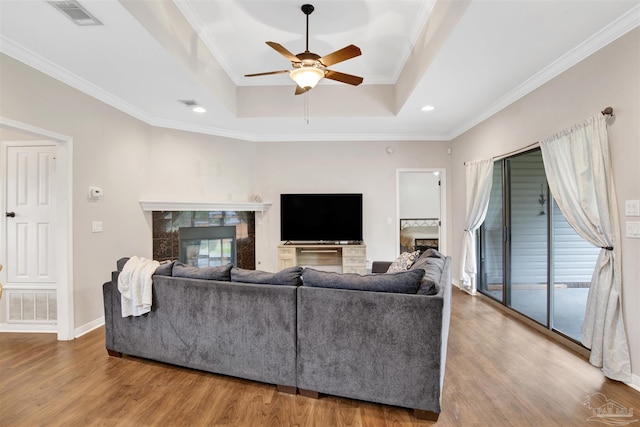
(10, 214)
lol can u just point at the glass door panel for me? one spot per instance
(574, 260)
(528, 242)
(491, 241)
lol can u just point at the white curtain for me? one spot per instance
(479, 177)
(578, 168)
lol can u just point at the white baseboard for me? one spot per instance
(26, 328)
(88, 327)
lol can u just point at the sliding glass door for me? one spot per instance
(531, 260)
(528, 231)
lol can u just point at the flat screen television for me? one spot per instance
(321, 217)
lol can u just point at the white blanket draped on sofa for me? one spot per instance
(134, 284)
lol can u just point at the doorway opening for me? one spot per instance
(420, 209)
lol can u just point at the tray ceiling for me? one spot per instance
(468, 59)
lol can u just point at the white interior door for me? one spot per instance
(30, 290)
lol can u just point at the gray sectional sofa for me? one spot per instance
(385, 344)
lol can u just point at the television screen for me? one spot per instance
(321, 217)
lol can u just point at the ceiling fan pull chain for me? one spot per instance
(306, 106)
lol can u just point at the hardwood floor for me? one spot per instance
(500, 372)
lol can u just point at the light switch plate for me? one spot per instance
(96, 227)
(633, 229)
(632, 208)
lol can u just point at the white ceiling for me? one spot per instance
(468, 59)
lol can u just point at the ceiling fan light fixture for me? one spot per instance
(306, 77)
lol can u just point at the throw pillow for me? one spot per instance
(165, 269)
(403, 282)
(208, 273)
(427, 287)
(432, 253)
(432, 267)
(289, 276)
(121, 262)
(403, 262)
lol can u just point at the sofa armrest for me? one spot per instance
(380, 266)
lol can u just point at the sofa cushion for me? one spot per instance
(403, 282)
(403, 262)
(165, 269)
(432, 267)
(432, 253)
(289, 276)
(207, 273)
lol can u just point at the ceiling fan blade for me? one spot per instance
(344, 78)
(267, 73)
(301, 90)
(283, 51)
(343, 54)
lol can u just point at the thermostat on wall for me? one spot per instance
(95, 193)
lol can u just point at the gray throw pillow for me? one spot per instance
(432, 267)
(427, 287)
(432, 253)
(289, 276)
(121, 262)
(165, 269)
(403, 282)
(208, 273)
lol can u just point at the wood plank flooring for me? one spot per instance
(500, 372)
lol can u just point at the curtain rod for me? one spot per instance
(608, 111)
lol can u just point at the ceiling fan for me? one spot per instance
(309, 68)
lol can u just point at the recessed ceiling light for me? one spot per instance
(428, 108)
(199, 109)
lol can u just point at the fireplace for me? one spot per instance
(207, 246)
(205, 238)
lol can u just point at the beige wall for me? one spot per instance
(130, 161)
(610, 77)
(356, 167)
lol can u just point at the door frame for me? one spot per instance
(64, 216)
(442, 243)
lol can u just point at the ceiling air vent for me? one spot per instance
(74, 11)
(188, 102)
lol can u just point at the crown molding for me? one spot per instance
(32, 59)
(597, 41)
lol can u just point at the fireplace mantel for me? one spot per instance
(148, 205)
